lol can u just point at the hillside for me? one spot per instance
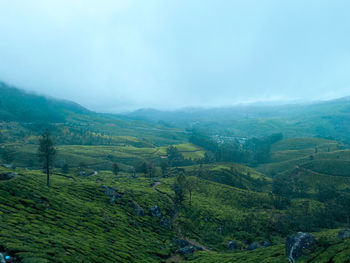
(23, 113)
(325, 118)
(126, 190)
(77, 219)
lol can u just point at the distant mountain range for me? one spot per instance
(323, 119)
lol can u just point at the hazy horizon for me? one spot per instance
(115, 56)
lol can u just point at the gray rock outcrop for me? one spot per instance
(112, 193)
(188, 250)
(164, 222)
(155, 211)
(232, 245)
(253, 246)
(344, 234)
(295, 245)
(7, 176)
(181, 243)
(138, 209)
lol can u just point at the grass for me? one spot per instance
(329, 249)
(102, 156)
(231, 174)
(72, 221)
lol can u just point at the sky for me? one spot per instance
(121, 55)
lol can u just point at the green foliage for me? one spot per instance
(115, 169)
(65, 169)
(46, 152)
(8, 155)
(179, 188)
(73, 221)
(175, 158)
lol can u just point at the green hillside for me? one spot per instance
(24, 116)
(207, 195)
(75, 221)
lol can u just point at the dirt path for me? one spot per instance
(155, 185)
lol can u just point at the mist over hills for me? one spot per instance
(322, 118)
(253, 175)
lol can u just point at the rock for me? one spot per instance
(266, 244)
(7, 176)
(155, 211)
(10, 166)
(181, 243)
(295, 245)
(112, 193)
(2, 258)
(199, 248)
(344, 234)
(231, 245)
(253, 246)
(138, 209)
(165, 223)
(188, 250)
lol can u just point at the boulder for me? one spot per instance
(232, 245)
(7, 176)
(199, 248)
(10, 166)
(266, 244)
(155, 211)
(165, 223)
(181, 243)
(295, 245)
(112, 193)
(344, 234)
(253, 246)
(138, 209)
(188, 250)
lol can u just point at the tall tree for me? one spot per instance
(115, 169)
(164, 167)
(180, 188)
(46, 153)
(175, 157)
(191, 185)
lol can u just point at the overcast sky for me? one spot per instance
(112, 55)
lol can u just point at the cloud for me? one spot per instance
(117, 55)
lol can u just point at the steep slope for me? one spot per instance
(21, 106)
(24, 114)
(74, 221)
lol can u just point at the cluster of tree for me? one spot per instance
(184, 185)
(146, 167)
(307, 216)
(253, 151)
(287, 187)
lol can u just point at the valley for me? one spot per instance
(177, 194)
